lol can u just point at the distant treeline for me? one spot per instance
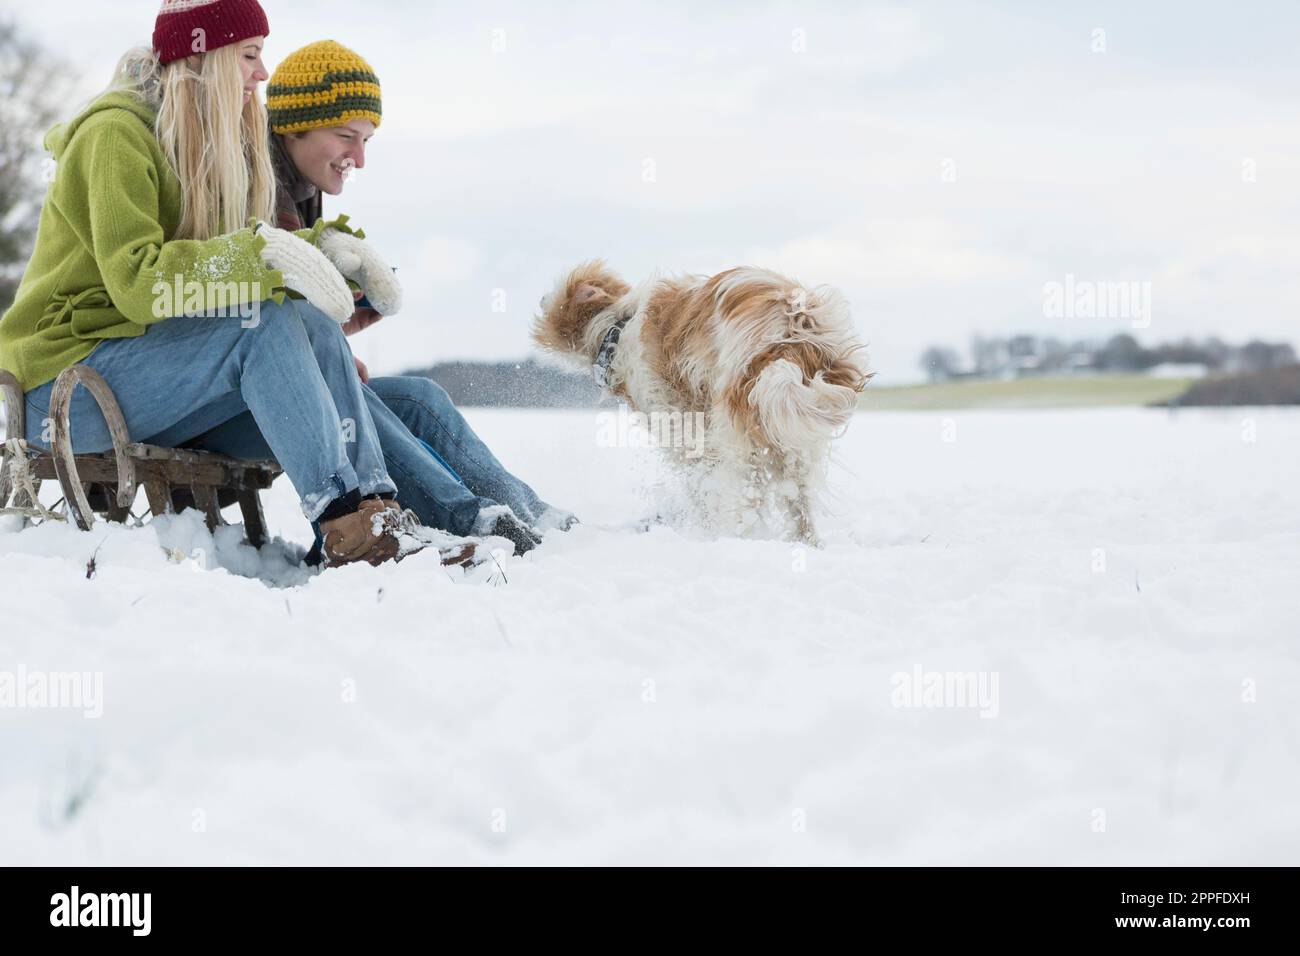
(993, 357)
(1275, 386)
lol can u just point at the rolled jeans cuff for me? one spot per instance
(317, 500)
(377, 483)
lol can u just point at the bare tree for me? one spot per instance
(33, 90)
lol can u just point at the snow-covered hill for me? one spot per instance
(1120, 586)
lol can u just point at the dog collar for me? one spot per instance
(605, 356)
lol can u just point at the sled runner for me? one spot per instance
(172, 478)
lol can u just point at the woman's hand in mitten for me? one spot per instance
(361, 319)
(307, 271)
(358, 261)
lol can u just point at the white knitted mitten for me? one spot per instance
(307, 271)
(358, 261)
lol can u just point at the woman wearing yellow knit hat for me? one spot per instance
(323, 103)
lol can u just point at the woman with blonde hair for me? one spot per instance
(155, 265)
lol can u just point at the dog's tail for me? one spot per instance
(794, 411)
(803, 390)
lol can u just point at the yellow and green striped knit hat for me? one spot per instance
(323, 84)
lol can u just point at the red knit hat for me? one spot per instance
(186, 27)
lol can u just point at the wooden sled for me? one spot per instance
(106, 484)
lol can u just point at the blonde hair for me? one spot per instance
(215, 143)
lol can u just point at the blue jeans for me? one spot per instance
(186, 375)
(426, 409)
(443, 470)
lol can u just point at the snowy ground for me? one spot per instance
(1123, 582)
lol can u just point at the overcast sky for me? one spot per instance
(939, 162)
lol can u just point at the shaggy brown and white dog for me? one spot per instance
(771, 369)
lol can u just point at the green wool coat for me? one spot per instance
(104, 249)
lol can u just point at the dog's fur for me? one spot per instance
(775, 368)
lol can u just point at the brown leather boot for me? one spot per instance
(380, 530)
(412, 536)
(354, 537)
